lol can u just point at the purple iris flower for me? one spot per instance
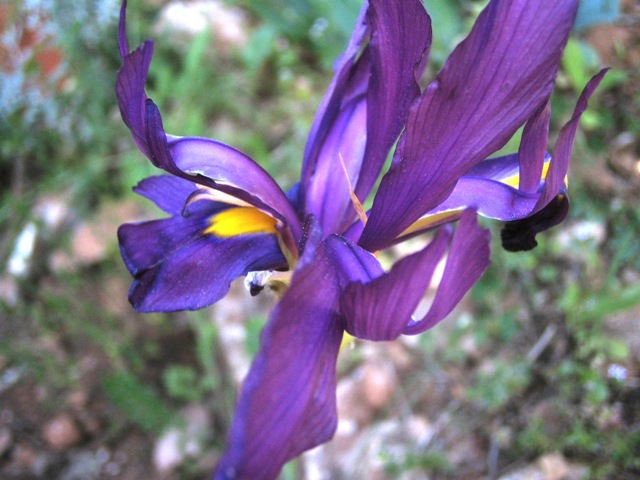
(316, 244)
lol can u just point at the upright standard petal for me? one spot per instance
(364, 110)
(288, 404)
(495, 80)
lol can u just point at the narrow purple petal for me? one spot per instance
(123, 42)
(168, 192)
(177, 267)
(130, 92)
(562, 151)
(288, 402)
(533, 149)
(493, 82)
(468, 259)
(381, 309)
(345, 69)
(366, 106)
(400, 42)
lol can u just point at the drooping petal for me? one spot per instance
(169, 193)
(494, 81)
(265, 194)
(178, 266)
(468, 259)
(381, 309)
(232, 171)
(288, 402)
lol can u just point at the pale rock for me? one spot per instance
(61, 432)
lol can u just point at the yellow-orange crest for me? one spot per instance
(240, 221)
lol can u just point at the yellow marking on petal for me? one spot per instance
(430, 220)
(514, 180)
(357, 205)
(240, 221)
(347, 341)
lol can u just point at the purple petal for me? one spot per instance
(345, 79)
(169, 193)
(562, 151)
(178, 267)
(130, 92)
(366, 106)
(352, 263)
(381, 309)
(123, 43)
(288, 402)
(197, 158)
(533, 150)
(400, 42)
(327, 193)
(468, 259)
(493, 82)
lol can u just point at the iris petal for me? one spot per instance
(493, 82)
(177, 267)
(467, 260)
(288, 403)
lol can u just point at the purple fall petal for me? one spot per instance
(233, 172)
(381, 309)
(468, 259)
(288, 402)
(495, 80)
(177, 267)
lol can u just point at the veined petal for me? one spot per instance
(345, 79)
(467, 260)
(400, 42)
(495, 80)
(380, 309)
(177, 265)
(366, 106)
(288, 402)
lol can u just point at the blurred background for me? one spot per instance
(535, 375)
